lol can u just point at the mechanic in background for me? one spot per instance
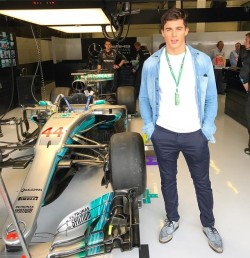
(110, 60)
(178, 105)
(145, 52)
(234, 55)
(219, 62)
(137, 69)
(245, 78)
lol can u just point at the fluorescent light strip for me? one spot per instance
(60, 16)
(81, 29)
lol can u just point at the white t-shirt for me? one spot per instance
(182, 118)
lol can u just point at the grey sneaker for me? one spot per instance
(214, 239)
(168, 230)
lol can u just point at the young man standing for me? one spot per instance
(178, 105)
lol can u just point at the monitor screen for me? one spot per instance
(7, 50)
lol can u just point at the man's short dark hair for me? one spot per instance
(107, 41)
(172, 15)
(218, 43)
(137, 44)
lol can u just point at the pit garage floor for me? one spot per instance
(230, 176)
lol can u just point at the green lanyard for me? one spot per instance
(177, 95)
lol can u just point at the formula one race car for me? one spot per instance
(66, 139)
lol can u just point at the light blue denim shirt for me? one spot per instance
(206, 92)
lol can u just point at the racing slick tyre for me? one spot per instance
(126, 96)
(127, 162)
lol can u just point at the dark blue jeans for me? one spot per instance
(194, 146)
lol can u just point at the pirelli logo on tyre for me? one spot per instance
(28, 198)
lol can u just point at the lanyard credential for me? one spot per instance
(177, 94)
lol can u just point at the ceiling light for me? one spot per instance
(81, 29)
(60, 16)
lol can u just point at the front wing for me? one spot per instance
(110, 221)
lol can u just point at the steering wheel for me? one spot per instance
(94, 49)
(78, 86)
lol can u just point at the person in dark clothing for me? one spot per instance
(241, 54)
(245, 78)
(145, 52)
(137, 68)
(110, 60)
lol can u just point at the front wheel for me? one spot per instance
(127, 162)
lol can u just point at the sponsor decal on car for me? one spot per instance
(24, 209)
(28, 198)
